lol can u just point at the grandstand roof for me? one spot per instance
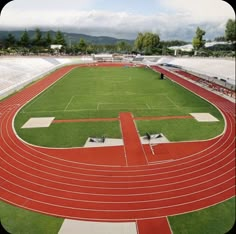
(189, 47)
(214, 67)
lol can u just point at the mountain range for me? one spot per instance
(71, 38)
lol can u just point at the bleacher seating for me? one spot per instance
(223, 69)
(16, 72)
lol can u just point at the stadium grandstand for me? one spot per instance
(17, 72)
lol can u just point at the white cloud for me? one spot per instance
(179, 22)
(202, 10)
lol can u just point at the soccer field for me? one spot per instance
(104, 92)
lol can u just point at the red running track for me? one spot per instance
(98, 184)
(134, 152)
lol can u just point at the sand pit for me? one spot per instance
(204, 117)
(44, 122)
(86, 227)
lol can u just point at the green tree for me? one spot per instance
(138, 44)
(38, 39)
(48, 39)
(60, 39)
(10, 41)
(150, 42)
(230, 30)
(198, 41)
(82, 46)
(123, 47)
(220, 38)
(147, 43)
(25, 40)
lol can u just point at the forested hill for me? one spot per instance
(70, 37)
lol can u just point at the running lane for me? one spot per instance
(134, 152)
(58, 182)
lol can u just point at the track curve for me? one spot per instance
(56, 182)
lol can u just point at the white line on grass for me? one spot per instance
(172, 101)
(93, 109)
(148, 106)
(69, 103)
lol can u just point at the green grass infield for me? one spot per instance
(104, 92)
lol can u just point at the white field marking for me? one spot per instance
(114, 189)
(47, 89)
(125, 154)
(172, 101)
(89, 227)
(118, 211)
(169, 225)
(161, 108)
(136, 221)
(106, 165)
(32, 112)
(57, 111)
(98, 107)
(124, 108)
(140, 141)
(153, 153)
(148, 106)
(69, 103)
(78, 110)
(127, 94)
(191, 166)
(109, 103)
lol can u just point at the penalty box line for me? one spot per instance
(147, 106)
(69, 103)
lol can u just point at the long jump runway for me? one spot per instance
(86, 184)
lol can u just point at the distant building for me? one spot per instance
(189, 47)
(55, 47)
(103, 57)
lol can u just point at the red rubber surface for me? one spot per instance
(117, 183)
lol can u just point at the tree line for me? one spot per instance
(38, 43)
(230, 35)
(145, 43)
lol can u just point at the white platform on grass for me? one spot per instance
(107, 142)
(44, 122)
(204, 117)
(120, 142)
(154, 140)
(87, 227)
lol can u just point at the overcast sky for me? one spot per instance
(171, 19)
